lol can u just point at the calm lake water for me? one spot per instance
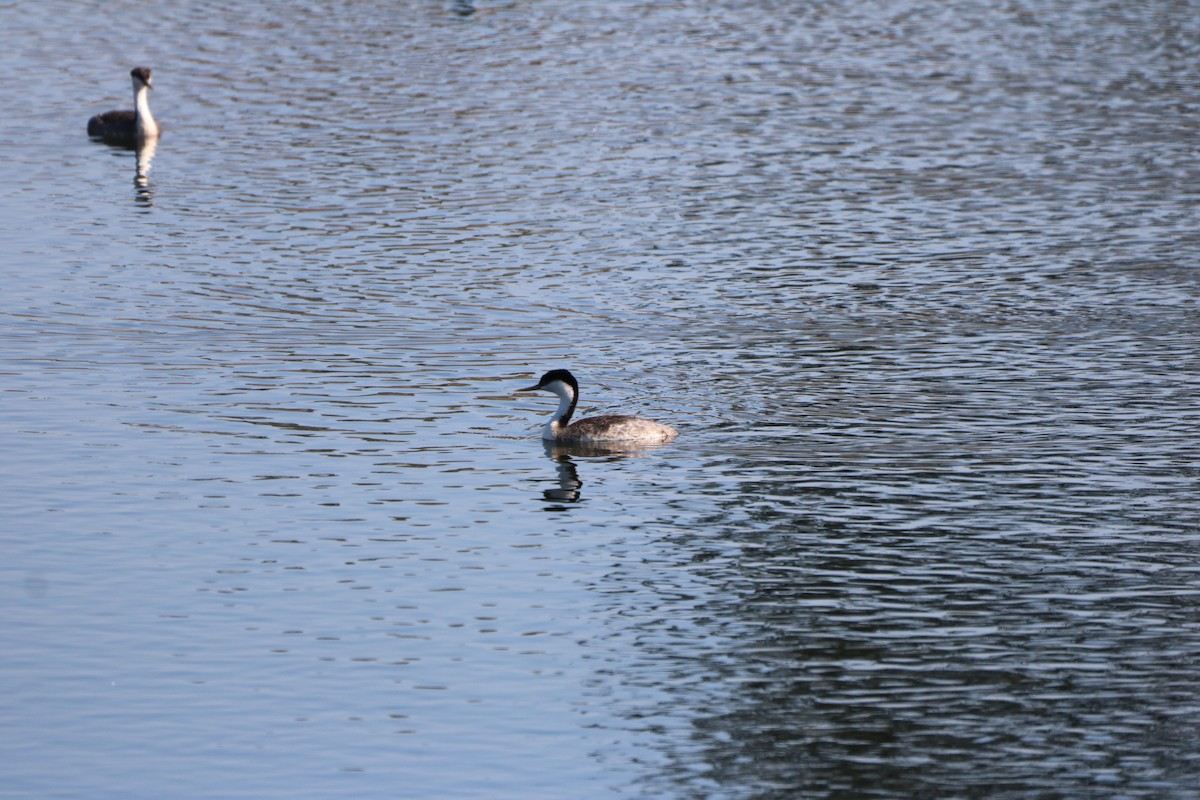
(918, 283)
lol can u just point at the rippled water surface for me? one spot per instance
(918, 283)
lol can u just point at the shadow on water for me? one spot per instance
(143, 155)
(141, 176)
(565, 457)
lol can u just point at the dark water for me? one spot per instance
(918, 284)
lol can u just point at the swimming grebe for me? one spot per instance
(128, 128)
(606, 428)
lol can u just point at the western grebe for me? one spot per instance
(605, 428)
(128, 128)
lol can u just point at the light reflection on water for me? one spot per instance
(914, 283)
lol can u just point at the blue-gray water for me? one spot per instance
(918, 283)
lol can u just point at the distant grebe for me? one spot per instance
(128, 128)
(606, 428)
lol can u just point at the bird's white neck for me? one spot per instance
(566, 407)
(147, 127)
